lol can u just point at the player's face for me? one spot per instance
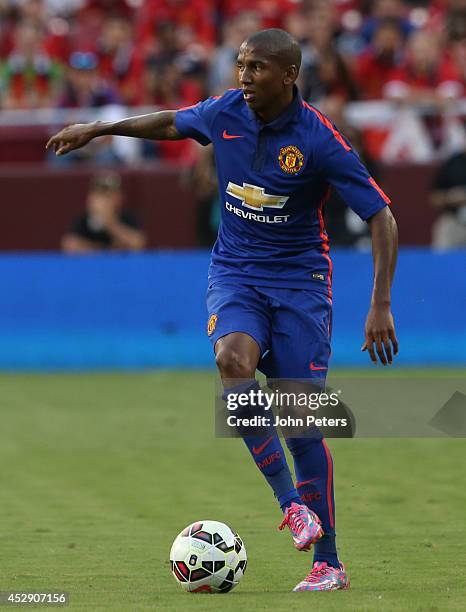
(263, 80)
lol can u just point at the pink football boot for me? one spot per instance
(304, 525)
(324, 577)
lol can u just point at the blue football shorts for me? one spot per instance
(291, 326)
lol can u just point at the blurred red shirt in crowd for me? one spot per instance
(375, 66)
(100, 9)
(55, 39)
(120, 61)
(272, 12)
(439, 10)
(428, 72)
(196, 18)
(29, 77)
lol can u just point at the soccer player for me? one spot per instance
(269, 296)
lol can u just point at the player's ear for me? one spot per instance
(291, 74)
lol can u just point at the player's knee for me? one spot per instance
(232, 364)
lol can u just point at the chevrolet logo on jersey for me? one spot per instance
(255, 197)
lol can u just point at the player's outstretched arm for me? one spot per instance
(380, 336)
(155, 126)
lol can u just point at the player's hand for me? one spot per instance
(380, 335)
(70, 138)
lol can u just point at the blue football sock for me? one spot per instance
(314, 475)
(266, 449)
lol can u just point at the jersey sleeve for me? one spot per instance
(196, 121)
(341, 166)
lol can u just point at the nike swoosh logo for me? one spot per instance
(230, 136)
(315, 368)
(257, 451)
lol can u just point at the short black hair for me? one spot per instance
(278, 43)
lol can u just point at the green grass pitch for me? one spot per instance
(99, 472)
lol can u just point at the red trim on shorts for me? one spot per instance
(325, 244)
(329, 483)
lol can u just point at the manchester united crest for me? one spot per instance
(211, 324)
(291, 159)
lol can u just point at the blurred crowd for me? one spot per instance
(114, 54)
(76, 53)
(172, 53)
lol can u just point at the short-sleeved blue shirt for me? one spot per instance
(274, 180)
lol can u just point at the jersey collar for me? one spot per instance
(286, 117)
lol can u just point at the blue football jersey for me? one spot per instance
(273, 181)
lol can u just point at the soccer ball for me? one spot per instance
(208, 557)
